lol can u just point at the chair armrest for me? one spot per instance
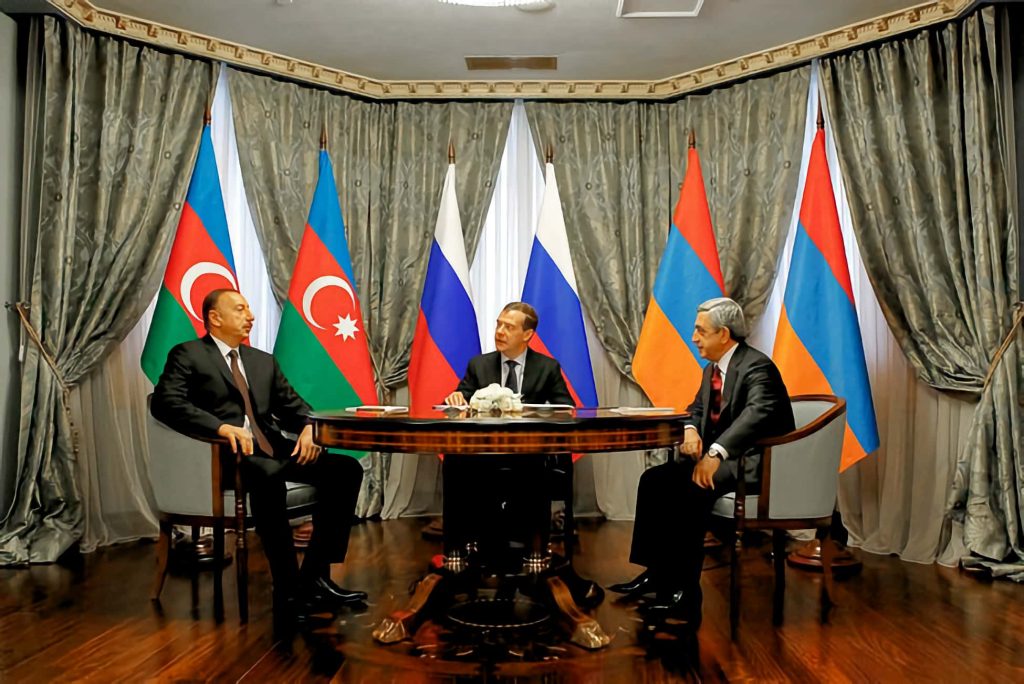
(838, 409)
(185, 471)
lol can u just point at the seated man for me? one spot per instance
(741, 399)
(477, 501)
(218, 387)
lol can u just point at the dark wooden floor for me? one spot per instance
(895, 622)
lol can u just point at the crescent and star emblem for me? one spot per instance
(192, 275)
(346, 327)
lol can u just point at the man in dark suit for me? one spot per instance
(219, 387)
(741, 399)
(484, 494)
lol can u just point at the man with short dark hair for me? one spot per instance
(741, 399)
(476, 499)
(217, 386)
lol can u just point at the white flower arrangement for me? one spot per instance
(493, 398)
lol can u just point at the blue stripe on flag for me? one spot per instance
(682, 284)
(825, 321)
(325, 217)
(561, 321)
(205, 199)
(450, 316)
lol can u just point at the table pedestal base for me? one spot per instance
(556, 592)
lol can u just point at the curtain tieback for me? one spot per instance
(22, 310)
(1018, 317)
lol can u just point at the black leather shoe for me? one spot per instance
(640, 584)
(297, 614)
(677, 604)
(323, 590)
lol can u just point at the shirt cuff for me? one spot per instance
(720, 450)
(691, 427)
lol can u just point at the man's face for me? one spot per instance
(510, 338)
(712, 343)
(230, 319)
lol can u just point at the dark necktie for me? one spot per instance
(243, 387)
(510, 380)
(715, 409)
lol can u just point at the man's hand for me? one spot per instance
(692, 445)
(305, 449)
(239, 437)
(455, 399)
(704, 472)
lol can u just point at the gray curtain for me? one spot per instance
(115, 123)
(389, 162)
(926, 147)
(620, 167)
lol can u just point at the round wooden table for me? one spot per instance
(535, 431)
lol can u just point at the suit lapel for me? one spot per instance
(531, 374)
(736, 368)
(705, 398)
(219, 362)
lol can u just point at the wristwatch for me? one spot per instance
(713, 453)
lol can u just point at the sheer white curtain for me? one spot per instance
(894, 500)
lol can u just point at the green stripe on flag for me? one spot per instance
(171, 325)
(310, 370)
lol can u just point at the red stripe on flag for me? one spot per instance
(337, 320)
(437, 379)
(819, 217)
(193, 245)
(692, 217)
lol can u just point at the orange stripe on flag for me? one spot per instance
(663, 365)
(800, 371)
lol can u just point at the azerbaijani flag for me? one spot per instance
(818, 347)
(446, 335)
(550, 288)
(321, 344)
(666, 363)
(200, 261)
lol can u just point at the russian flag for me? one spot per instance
(818, 347)
(666, 363)
(550, 287)
(446, 335)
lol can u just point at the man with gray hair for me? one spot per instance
(741, 399)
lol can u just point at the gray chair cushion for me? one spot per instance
(725, 506)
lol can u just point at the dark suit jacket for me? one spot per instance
(755, 404)
(542, 378)
(196, 393)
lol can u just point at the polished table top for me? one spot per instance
(531, 432)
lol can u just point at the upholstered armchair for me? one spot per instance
(800, 479)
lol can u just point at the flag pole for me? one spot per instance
(808, 555)
(451, 152)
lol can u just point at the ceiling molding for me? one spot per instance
(797, 52)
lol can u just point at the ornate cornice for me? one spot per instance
(797, 52)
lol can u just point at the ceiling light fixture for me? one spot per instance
(495, 3)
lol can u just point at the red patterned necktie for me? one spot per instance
(715, 409)
(243, 387)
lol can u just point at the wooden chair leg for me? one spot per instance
(218, 570)
(827, 588)
(163, 554)
(241, 549)
(569, 520)
(734, 586)
(779, 559)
